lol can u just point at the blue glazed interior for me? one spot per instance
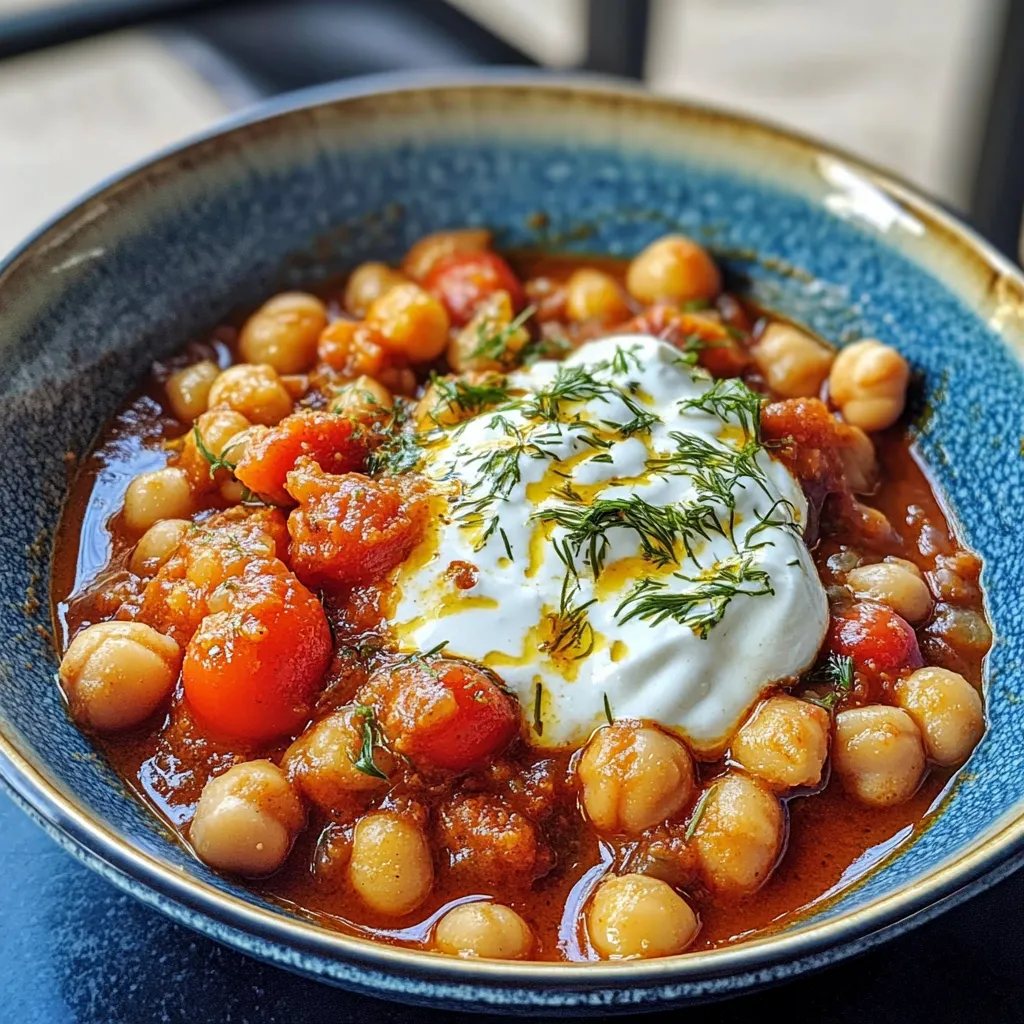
(76, 338)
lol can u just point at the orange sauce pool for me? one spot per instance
(832, 840)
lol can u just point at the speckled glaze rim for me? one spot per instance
(421, 976)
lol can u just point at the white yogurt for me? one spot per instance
(504, 469)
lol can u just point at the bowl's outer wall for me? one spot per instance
(161, 257)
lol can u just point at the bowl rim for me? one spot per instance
(197, 901)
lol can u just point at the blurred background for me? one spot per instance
(933, 89)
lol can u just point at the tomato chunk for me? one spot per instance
(254, 669)
(336, 443)
(213, 553)
(443, 712)
(875, 637)
(717, 350)
(463, 280)
(350, 529)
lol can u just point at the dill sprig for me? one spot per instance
(470, 397)
(838, 674)
(492, 341)
(659, 528)
(499, 471)
(730, 399)
(702, 602)
(571, 629)
(698, 812)
(216, 461)
(580, 384)
(608, 710)
(400, 452)
(371, 739)
(716, 470)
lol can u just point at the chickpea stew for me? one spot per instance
(524, 607)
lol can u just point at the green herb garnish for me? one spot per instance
(216, 461)
(371, 740)
(702, 602)
(838, 672)
(698, 812)
(608, 709)
(493, 344)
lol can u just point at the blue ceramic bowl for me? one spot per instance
(315, 184)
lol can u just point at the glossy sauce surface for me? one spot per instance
(832, 840)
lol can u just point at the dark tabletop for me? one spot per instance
(74, 949)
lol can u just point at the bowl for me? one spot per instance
(312, 184)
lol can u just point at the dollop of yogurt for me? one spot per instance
(635, 551)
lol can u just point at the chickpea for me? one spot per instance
(633, 777)
(367, 283)
(188, 390)
(254, 390)
(283, 332)
(247, 819)
(420, 259)
(351, 348)
(484, 929)
(897, 584)
(738, 835)
(868, 384)
(486, 343)
(410, 322)
(947, 710)
(784, 742)
(157, 544)
(321, 761)
(859, 462)
(673, 269)
(793, 363)
(594, 295)
(162, 494)
(116, 674)
(220, 430)
(634, 917)
(878, 754)
(365, 400)
(391, 869)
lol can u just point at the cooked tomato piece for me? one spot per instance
(717, 350)
(350, 529)
(254, 669)
(443, 712)
(336, 443)
(875, 637)
(212, 554)
(463, 280)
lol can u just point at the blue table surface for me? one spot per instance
(74, 949)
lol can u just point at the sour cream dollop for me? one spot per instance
(637, 552)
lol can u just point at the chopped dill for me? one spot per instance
(608, 709)
(470, 398)
(492, 341)
(838, 673)
(538, 722)
(730, 399)
(698, 812)
(660, 528)
(371, 739)
(701, 604)
(571, 629)
(216, 461)
(399, 453)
